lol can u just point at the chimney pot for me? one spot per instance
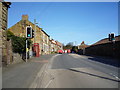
(24, 17)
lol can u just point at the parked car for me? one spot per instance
(60, 51)
(68, 51)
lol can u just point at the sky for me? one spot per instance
(69, 21)
(63, 0)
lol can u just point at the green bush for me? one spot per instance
(18, 43)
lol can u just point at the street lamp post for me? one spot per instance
(34, 30)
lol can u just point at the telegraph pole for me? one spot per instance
(35, 30)
(26, 49)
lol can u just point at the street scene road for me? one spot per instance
(76, 71)
(61, 71)
(59, 45)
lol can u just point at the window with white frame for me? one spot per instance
(43, 37)
(47, 39)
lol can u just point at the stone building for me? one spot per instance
(3, 27)
(59, 46)
(55, 46)
(81, 48)
(52, 46)
(19, 29)
(45, 44)
(82, 45)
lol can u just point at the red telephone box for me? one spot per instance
(36, 49)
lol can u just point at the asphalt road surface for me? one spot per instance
(78, 71)
(62, 71)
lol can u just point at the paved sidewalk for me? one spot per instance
(44, 77)
(21, 75)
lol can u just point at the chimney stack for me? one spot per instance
(24, 17)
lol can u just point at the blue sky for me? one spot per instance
(70, 21)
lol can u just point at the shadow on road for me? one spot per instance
(113, 62)
(94, 75)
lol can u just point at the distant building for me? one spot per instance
(55, 46)
(81, 47)
(59, 46)
(3, 27)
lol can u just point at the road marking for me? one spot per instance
(115, 76)
(38, 76)
(35, 86)
(48, 83)
(41, 72)
(51, 79)
(52, 76)
(51, 60)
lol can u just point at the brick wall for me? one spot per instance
(105, 49)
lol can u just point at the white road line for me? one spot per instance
(115, 76)
(49, 67)
(39, 74)
(50, 74)
(51, 60)
(48, 83)
(52, 77)
(35, 86)
(42, 70)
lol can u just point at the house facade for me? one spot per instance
(45, 43)
(19, 29)
(52, 46)
(59, 45)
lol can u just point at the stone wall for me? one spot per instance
(11, 57)
(106, 49)
(0, 34)
(3, 27)
(17, 58)
(9, 52)
(8, 58)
